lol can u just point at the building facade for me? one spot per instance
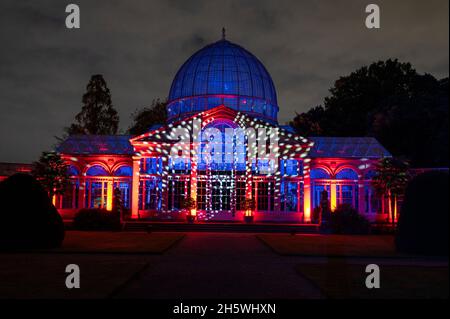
(222, 145)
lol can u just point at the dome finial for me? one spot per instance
(223, 33)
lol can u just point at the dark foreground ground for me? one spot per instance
(219, 265)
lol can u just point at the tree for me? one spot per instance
(308, 124)
(423, 225)
(52, 173)
(97, 116)
(145, 118)
(390, 101)
(28, 218)
(390, 180)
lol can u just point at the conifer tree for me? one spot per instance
(97, 116)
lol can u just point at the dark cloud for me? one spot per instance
(139, 45)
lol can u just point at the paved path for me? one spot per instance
(220, 265)
(202, 265)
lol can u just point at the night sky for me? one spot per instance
(139, 45)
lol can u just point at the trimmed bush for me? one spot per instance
(346, 220)
(96, 219)
(316, 214)
(126, 213)
(423, 222)
(28, 218)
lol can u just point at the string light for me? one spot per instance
(220, 185)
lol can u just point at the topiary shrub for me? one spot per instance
(28, 218)
(96, 219)
(126, 213)
(346, 220)
(423, 223)
(316, 214)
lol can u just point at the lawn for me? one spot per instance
(107, 260)
(117, 242)
(42, 276)
(331, 245)
(338, 280)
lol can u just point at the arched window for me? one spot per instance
(347, 192)
(73, 171)
(347, 173)
(97, 170)
(319, 173)
(69, 199)
(124, 171)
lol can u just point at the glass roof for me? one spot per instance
(347, 147)
(223, 73)
(337, 147)
(96, 144)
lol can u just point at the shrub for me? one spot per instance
(316, 214)
(126, 213)
(28, 218)
(423, 222)
(346, 220)
(189, 203)
(96, 219)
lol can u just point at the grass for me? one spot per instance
(331, 245)
(338, 280)
(107, 260)
(117, 242)
(43, 276)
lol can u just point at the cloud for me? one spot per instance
(139, 45)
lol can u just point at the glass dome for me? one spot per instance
(223, 73)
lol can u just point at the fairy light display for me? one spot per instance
(265, 146)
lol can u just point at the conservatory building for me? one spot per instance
(222, 146)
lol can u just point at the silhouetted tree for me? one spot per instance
(308, 124)
(52, 173)
(145, 118)
(28, 218)
(390, 180)
(423, 226)
(97, 116)
(392, 102)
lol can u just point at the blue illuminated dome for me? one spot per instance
(223, 73)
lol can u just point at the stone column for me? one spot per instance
(135, 188)
(165, 183)
(109, 194)
(256, 195)
(333, 195)
(81, 193)
(307, 199)
(194, 160)
(362, 199)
